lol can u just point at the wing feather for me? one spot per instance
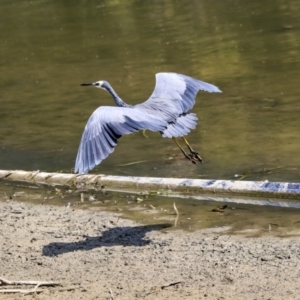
(105, 126)
(174, 94)
(182, 127)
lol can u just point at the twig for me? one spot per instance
(175, 208)
(177, 214)
(111, 294)
(175, 222)
(26, 292)
(33, 290)
(4, 281)
(68, 289)
(133, 163)
(171, 284)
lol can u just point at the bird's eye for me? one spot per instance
(97, 84)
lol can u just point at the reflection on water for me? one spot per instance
(250, 49)
(237, 217)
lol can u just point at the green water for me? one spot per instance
(249, 49)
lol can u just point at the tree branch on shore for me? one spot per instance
(35, 289)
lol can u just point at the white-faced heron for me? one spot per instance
(166, 111)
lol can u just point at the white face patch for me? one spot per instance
(98, 84)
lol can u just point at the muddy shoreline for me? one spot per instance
(95, 254)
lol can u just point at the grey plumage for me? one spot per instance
(165, 111)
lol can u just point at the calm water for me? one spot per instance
(249, 49)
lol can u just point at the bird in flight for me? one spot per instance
(166, 111)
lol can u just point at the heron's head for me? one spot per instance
(101, 84)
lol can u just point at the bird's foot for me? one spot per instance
(196, 156)
(191, 158)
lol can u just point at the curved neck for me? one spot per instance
(117, 99)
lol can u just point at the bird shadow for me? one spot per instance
(124, 236)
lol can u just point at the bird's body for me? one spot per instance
(166, 111)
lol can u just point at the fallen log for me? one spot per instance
(169, 186)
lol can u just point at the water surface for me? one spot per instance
(250, 50)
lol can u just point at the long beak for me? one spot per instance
(87, 84)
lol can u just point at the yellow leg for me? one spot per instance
(187, 143)
(190, 157)
(178, 145)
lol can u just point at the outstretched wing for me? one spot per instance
(174, 94)
(105, 126)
